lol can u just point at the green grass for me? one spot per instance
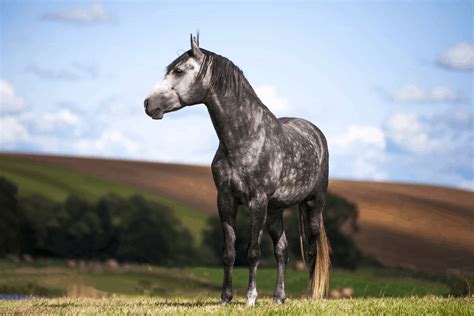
(206, 306)
(57, 183)
(195, 291)
(52, 278)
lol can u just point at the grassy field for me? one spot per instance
(57, 183)
(206, 306)
(53, 278)
(139, 289)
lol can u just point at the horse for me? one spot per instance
(264, 163)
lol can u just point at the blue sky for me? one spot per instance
(390, 83)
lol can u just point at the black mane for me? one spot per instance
(225, 75)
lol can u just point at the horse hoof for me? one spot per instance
(251, 297)
(278, 301)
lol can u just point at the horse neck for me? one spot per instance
(239, 117)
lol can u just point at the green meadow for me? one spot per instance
(142, 289)
(53, 278)
(211, 306)
(57, 183)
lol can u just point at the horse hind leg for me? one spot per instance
(316, 247)
(280, 248)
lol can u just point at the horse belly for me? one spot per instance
(291, 191)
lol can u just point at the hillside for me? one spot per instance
(421, 227)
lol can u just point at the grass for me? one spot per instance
(206, 306)
(143, 289)
(57, 183)
(53, 278)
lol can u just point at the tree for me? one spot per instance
(10, 219)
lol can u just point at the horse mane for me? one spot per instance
(225, 75)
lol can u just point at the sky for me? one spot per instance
(389, 83)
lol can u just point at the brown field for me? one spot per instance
(421, 227)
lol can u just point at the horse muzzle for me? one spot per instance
(152, 110)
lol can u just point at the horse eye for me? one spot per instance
(178, 71)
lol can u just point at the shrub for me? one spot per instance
(10, 219)
(459, 283)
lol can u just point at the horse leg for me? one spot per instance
(258, 213)
(280, 249)
(227, 212)
(315, 241)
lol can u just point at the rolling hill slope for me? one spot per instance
(57, 182)
(421, 227)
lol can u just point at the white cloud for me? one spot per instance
(9, 101)
(269, 96)
(406, 130)
(358, 153)
(444, 94)
(109, 143)
(50, 121)
(178, 138)
(368, 135)
(411, 93)
(12, 131)
(75, 71)
(459, 57)
(96, 13)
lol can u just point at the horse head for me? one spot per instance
(183, 84)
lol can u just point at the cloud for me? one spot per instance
(185, 138)
(459, 57)
(359, 153)
(74, 72)
(408, 132)
(12, 131)
(368, 135)
(51, 121)
(411, 93)
(269, 96)
(9, 101)
(108, 143)
(94, 14)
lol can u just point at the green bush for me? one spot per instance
(459, 283)
(10, 219)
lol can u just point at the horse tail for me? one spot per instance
(320, 278)
(319, 282)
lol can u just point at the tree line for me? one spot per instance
(134, 229)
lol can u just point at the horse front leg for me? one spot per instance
(258, 213)
(227, 207)
(280, 248)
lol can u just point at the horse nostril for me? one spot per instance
(146, 103)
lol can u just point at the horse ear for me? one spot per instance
(195, 47)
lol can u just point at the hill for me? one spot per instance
(420, 227)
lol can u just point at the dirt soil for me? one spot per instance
(421, 227)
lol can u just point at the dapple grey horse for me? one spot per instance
(263, 162)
